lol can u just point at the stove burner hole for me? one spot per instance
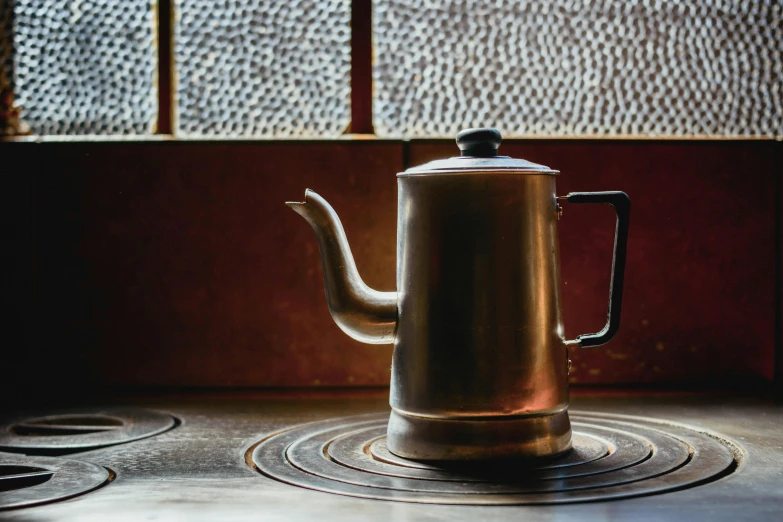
(28, 481)
(614, 456)
(18, 477)
(78, 431)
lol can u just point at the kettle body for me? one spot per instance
(479, 350)
(480, 362)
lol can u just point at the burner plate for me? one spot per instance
(27, 481)
(614, 456)
(83, 430)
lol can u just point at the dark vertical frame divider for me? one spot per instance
(166, 86)
(361, 67)
(778, 379)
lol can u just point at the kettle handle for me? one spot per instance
(622, 206)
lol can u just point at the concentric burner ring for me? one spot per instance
(614, 456)
(27, 481)
(81, 430)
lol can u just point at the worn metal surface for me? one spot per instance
(79, 430)
(27, 481)
(344, 450)
(197, 472)
(642, 457)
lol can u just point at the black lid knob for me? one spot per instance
(481, 143)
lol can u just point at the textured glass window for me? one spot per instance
(263, 67)
(586, 67)
(81, 66)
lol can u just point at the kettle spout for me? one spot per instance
(367, 315)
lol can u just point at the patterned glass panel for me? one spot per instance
(263, 67)
(579, 67)
(82, 66)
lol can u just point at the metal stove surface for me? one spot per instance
(204, 469)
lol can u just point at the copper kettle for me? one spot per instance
(480, 364)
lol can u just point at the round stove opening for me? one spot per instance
(71, 432)
(28, 481)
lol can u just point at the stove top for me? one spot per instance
(286, 456)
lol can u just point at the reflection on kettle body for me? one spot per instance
(480, 366)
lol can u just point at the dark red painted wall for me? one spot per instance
(177, 264)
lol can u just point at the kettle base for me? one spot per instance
(428, 438)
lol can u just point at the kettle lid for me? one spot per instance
(478, 153)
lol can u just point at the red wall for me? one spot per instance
(177, 264)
